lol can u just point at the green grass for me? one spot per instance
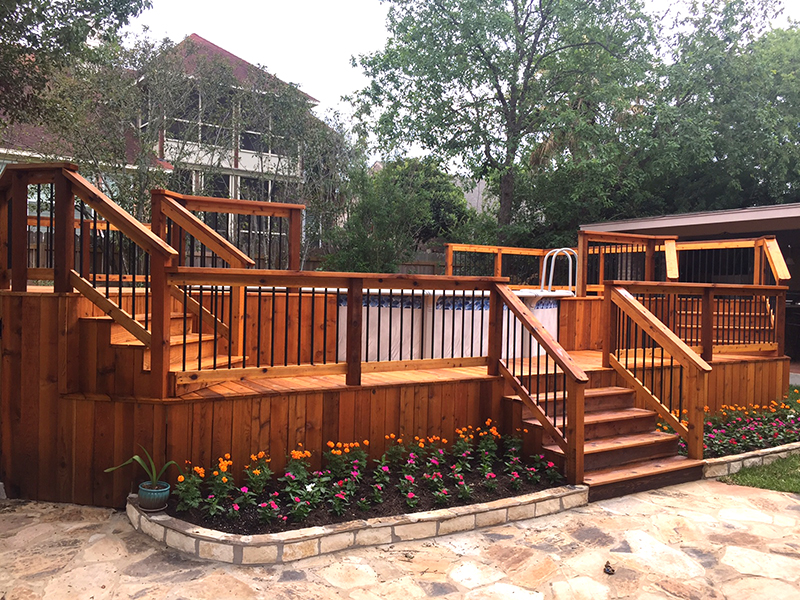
(782, 476)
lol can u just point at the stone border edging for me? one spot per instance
(273, 548)
(728, 465)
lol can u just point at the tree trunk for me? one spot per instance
(506, 197)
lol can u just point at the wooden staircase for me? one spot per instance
(623, 450)
(123, 362)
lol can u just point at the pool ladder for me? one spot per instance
(550, 259)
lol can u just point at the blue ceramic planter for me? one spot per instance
(153, 499)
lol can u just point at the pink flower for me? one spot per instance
(340, 495)
(244, 490)
(410, 478)
(385, 469)
(296, 499)
(411, 494)
(263, 505)
(235, 506)
(490, 475)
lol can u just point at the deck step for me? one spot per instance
(641, 476)
(612, 452)
(611, 423)
(595, 399)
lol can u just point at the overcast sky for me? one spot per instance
(307, 42)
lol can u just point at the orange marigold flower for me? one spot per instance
(399, 440)
(224, 480)
(256, 472)
(391, 435)
(227, 456)
(181, 478)
(331, 445)
(223, 467)
(347, 449)
(444, 440)
(366, 442)
(261, 454)
(253, 457)
(215, 473)
(338, 444)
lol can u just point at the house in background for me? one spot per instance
(220, 146)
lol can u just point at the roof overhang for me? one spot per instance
(760, 219)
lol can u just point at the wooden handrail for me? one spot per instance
(118, 217)
(657, 330)
(231, 205)
(273, 278)
(669, 287)
(623, 238)
(571, 440)
(776, 262)
(204, 234)
(697, 368)
(541, 335)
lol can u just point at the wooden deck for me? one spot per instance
(87, 378)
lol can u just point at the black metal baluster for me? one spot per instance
(313, 322)
(299, 324)
(244, 328)
(259, 328)
(325, 328)
(272, 331)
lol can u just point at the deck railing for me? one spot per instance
(668, 376)
(716, 318)
(633, 257)
(325, 323)
(523, 266)
(103, 252)
(542, 373)
(268, 233)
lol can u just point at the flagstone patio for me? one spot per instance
(701, 540)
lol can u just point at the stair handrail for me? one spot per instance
(570, 441)
(696, 387)
(119, 217)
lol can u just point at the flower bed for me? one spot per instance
(738, 429)
(415, 475)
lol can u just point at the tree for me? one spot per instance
(403, 205)
(37, 37)
(485, 81)
(136, 106)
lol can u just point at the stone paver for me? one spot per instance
(703, 540)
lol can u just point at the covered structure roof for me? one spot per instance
(738, 222)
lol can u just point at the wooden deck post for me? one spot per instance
(609, 326)
(758, 262)
(495, 341)
(162, 299)
(650, 260)
(355, 301)
(5, 282)
(19, 231)
(448, 264)
(780, 322)
(583, 261)
(64, 236)
(575, 431)
(697, 390)
(295, 238)
(707, 325)
(498, 263)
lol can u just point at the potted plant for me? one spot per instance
(153, 494)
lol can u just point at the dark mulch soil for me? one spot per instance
(394, 503)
